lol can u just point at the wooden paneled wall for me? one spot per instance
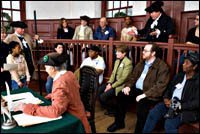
(47, 29)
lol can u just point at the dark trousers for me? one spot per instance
(143, 107)
(5, 77)
(122, 103)
(105, 98)
(157, 113)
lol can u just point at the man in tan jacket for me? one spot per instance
(25, 42)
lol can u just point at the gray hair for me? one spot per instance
(61, 67)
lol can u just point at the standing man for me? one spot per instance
(147, 83)
(159, 27)
(25, 42)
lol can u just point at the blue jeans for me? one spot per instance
(157, 113)
(16, 86)
(49, 85)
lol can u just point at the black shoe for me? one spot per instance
(113, 127)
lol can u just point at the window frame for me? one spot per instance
(22, 10)
(104, 8)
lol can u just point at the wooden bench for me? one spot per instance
(189, 128)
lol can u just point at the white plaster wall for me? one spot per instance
(191, 5)
(139, 8)
(59, 9)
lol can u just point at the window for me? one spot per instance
(117, 8)
(12, 11)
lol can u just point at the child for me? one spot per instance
(19, 77)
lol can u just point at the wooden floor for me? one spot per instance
(103, 121)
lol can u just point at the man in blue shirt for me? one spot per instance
(103, 32)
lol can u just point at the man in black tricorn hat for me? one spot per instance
(159, 26)
(185, 87)
(83, 32)
(25, 42)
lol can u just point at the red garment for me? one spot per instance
(65, 96)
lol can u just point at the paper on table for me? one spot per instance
(22, 98)
(29, 120)
(19, 96)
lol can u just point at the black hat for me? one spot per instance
(156, 6)
(53, 59)
(193, 57)
(86, 18)
(94, 48)
(20, 24)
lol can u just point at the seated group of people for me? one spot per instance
(146, 84)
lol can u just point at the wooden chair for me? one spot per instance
(88, 91)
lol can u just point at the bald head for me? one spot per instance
(103, 22)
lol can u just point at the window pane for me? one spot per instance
(6, 15)
(123, 10)
(109, 14)
(110, 5)
(123, 3)
(16, 16)
(116, 4)
(130, 3)
(5, 4)
(15, 4)
(115, 13)
(129, 12)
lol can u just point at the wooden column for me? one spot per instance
(170, 56)
(110, 68)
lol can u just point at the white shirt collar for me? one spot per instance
(18, 34)
(59, 74)
(158, 17)
(155, 22)
(83, 27)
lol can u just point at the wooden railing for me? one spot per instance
(170, 52)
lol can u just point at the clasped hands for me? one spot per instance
(126, 91)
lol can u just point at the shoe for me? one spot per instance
(113, 127)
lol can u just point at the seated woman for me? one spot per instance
(193, 34)
(65, 94)
(19, 77)
(122, 69)
(64, 31)
(184, 87)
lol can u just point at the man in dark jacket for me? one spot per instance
(159, 26)
(148, 81)
(185, 87)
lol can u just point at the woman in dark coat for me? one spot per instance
(4, 50)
